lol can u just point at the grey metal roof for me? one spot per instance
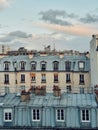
(66, 100)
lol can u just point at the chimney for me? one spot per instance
(56, 91)
(25, 96)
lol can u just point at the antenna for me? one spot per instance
(54, 46)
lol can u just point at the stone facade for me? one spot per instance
(69, 72)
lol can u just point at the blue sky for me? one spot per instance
(34, 24)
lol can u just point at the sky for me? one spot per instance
(35, 24)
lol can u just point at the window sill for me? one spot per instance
(85, 121)
(22, 82)
(43, 81)
(82, 83)
(6, 83)
(33, 81)
(68, 81)
(56, 81)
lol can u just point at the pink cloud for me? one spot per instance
(80, 29)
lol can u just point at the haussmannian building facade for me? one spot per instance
(70, 73)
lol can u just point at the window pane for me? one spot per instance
(85, 115)
(68, 65)
(60, 114)
(9, 116)
(6, 116)
(55, 65)
(36, 114)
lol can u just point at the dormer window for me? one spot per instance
(43, 66)
(22, 65)
(7, 115)
(6, 66)
(33, 65)
(55, 65)
(81, 65)
(67, 65)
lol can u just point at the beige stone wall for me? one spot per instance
(49, 80)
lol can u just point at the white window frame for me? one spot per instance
(85, 114)
(68, 78)
(8, 111)
(43, 66)
(82, 78)
(33, 65)
(6, 66)
(22, 65)
(43, 78)
(6, 78)
(60, 120)
(81, 65)
(36, 109)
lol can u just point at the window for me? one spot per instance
(43, 78)
(43, 66)
(68, 89)
(33, 77)
(22, 78)
(85, 115)
(81, 65)
(81, 90)
(7, 115)
(35, 115)
(33, 66)
(55, 65)
(15, 65)
(22, 88)
(6, 66)
(55, 78)
(6, 78)
(67, 65)
(60, 115)
(68, 78)
(81, 78)
(22, 64)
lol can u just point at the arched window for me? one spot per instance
(33, 65)
(68, 65)
(55, 65)
(43, 66)
(6, 65)
(22, 65)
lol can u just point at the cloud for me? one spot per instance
(56, 17)
(4, 4)
(19, 34)
(89, 18)
(14, 35)
(76, 30)
(61, 42)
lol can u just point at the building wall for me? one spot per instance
(94, 60)
(15, 75)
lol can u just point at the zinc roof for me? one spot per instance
(66, 100)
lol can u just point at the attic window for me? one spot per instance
(35, 114)
(85, 115)
(60, 114)
(6, 66)
(7, 115)
(81, 65)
